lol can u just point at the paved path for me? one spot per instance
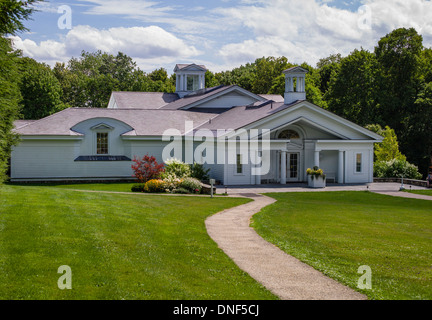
(279, 272)
(302, 187)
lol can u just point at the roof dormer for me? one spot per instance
(189, 78)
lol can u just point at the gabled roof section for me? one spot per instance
(189, 67)
(295, 70)
(140, 100)
(249, 117)
(195, 99)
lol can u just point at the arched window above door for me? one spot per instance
(288, 134)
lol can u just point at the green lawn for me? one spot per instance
(424, 192)
(336, 232)
(109, 186)
(118, 246)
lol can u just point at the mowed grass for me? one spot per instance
(118, 246)
(423, 192)
(337, 232)
(108, 186)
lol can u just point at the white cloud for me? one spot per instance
(310, 29)
(145, 43)
(234, 34)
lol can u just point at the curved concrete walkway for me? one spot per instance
(282, 274)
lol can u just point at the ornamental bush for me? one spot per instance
(177, 168)
(154, 186)
(181, 191)
(171, 182)
(146, 168)
(191, 184)
(396, 168)
(199, 172)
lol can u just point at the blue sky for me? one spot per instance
(221, 34)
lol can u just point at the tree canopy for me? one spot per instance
(12, 15)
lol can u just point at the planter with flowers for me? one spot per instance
(316, 178)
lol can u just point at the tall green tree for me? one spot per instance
(12, 15)
(40, 90)
(418, 130)
(268, 72)
(89, 80)
(352, 91)
(327, 67)
(398, 54)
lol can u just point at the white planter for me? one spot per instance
(316, 182)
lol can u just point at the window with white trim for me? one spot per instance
(358, 163)
(192, 82)
(102, 143)
(239, 166)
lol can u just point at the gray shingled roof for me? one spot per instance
(238, 117)
(195, 97)
(151, 113)
(143, 100)
(144, 122)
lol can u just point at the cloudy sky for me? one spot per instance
(221, 34)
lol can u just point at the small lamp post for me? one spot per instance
(402, 188)
(212, 182)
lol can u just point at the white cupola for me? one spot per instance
(295, 87)
(189, 78)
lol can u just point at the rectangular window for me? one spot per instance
(239, 166)
(102, 143)
(358, 162)
(192, 83)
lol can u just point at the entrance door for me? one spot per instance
(293, 166)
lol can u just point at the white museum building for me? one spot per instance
(242, 137)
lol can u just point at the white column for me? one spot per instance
(316, 159)
(257, 168)
(283, 167)
(201, 81)
(340, 178)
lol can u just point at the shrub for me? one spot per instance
(198, 172)
(182, 191)
(154, 185)
(147, 168)
(171, 182)
(177, 168)
(191, 184)
(138, 187)
(396, 168)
